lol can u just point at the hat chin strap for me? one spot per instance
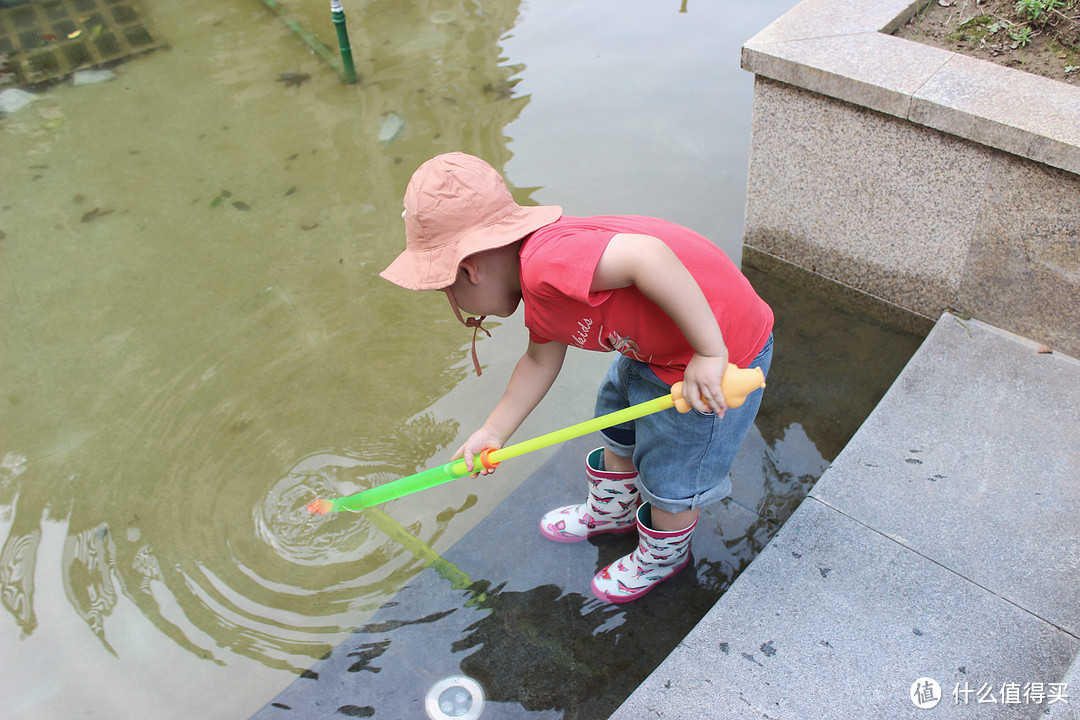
(472, 322)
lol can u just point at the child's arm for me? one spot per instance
(650, 265)
(532, 378)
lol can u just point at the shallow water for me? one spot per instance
(194, 340)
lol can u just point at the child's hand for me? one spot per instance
(701, 383)
(479, 441)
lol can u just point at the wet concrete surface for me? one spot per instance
(524, 623)
(934, 561)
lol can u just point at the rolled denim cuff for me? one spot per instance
(714, 494)
(619, 440)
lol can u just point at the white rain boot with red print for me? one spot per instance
(659, 555)
(610, 508)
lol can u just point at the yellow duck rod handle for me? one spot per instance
(737, 383)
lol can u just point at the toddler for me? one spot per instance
(672, 306)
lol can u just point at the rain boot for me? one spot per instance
(613, 500)
(659, 555)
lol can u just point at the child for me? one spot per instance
(671, 303)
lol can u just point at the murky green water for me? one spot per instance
(194, 340)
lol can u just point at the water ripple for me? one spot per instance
(283, 522)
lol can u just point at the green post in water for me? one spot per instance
(348, 70)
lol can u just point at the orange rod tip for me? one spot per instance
(320, 506)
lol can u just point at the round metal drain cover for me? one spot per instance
(455, 698)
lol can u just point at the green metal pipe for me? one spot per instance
(314, 44)
(337, 13)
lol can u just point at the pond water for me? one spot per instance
(194, 341)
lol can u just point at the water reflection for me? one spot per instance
(196, 341)
(89, 558)
(17, 561)
(836, 367)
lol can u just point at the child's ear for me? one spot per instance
(469, 268)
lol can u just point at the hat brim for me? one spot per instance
(436, 268)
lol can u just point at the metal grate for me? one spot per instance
(49, 39)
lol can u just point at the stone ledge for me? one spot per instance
(826, 47)
(940, 543)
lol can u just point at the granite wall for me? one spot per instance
(882, 166)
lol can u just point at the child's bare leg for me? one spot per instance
(668, 522)
(617, 463)
(661, 520)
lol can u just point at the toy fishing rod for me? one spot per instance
(737, 383)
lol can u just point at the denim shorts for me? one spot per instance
(683, 459)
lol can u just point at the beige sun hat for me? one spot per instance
(457, 205)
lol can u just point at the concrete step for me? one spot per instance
(942, 543)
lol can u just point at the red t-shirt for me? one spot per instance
(557, 266)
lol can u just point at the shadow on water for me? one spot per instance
(544, 649)
(538, 648)
(195, 342)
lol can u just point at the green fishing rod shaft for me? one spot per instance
(737, 384)
(491, 458)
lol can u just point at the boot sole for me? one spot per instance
(575, 538)
(619, 599)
